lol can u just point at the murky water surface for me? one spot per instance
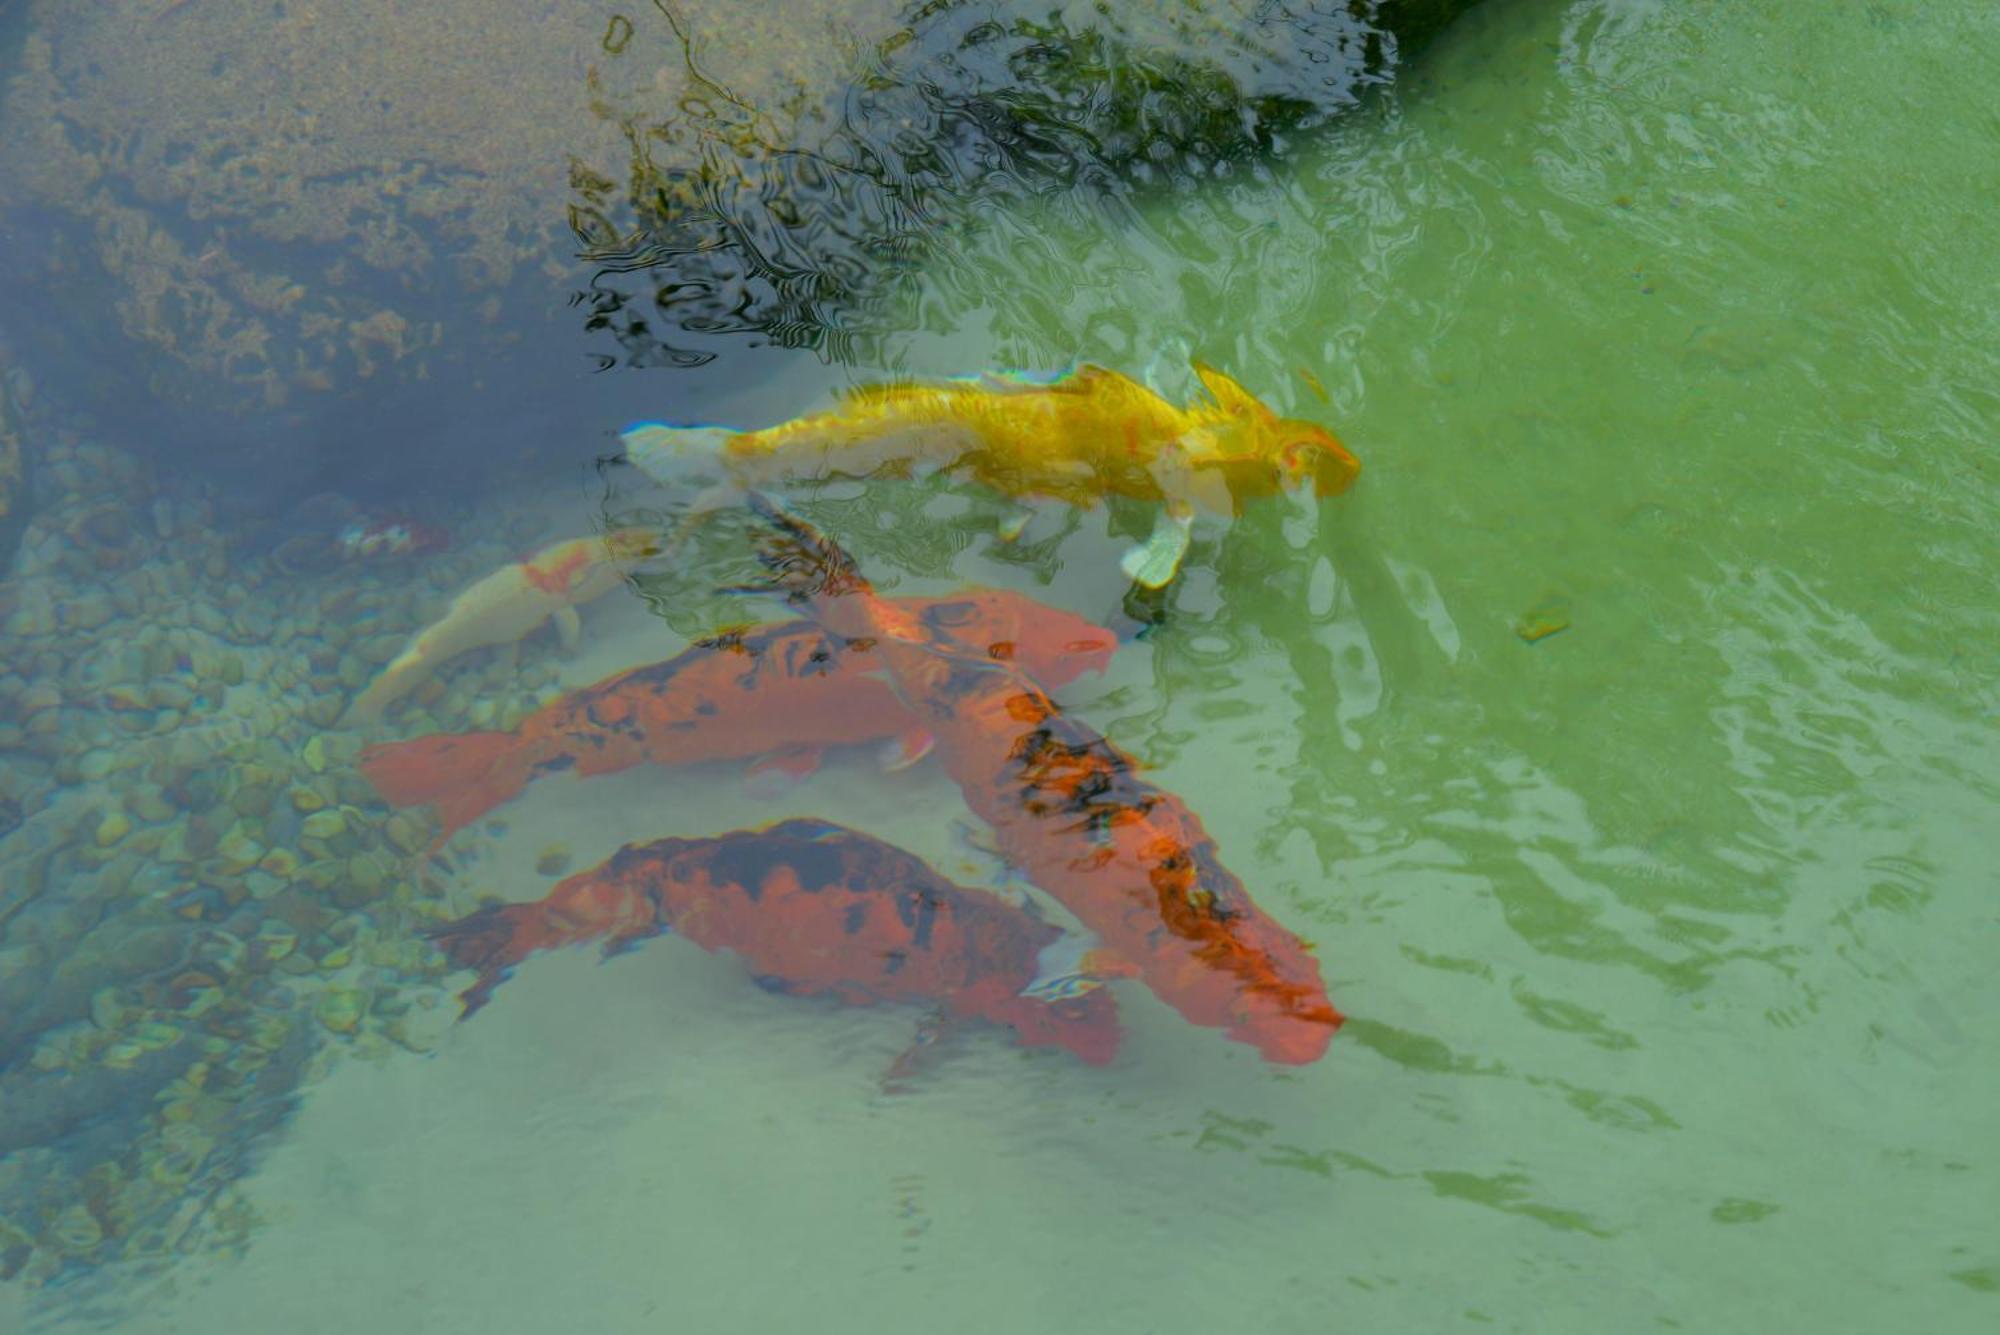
(1623, 742)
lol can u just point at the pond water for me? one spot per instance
(1623, 742)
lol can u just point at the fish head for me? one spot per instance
(1309, 453)
(1290, 1032)
(1285, 1012)
(1051, 644)
(1300, 452)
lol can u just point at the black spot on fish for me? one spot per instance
(817, 865)
(751, 859)
(963, 679)
(807, 658)
(856, 919)
(949, 614)
(555, 764)
(918, 911)
(893, 961)
(733, 642)
(1225, 892)
(652, 857)
(627, 724)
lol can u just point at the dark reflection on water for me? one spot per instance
(830, 229)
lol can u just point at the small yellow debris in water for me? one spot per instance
(1546, 618)
(553, 860)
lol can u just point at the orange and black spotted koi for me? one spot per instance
(755, 692)
(812, 909)
(1071, 812)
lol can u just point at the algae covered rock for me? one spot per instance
(380, 216)
(273, 214)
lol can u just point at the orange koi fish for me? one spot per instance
(1070, 811)
(814, 910)
(507, 605)
(768, 690)
(1079, 438)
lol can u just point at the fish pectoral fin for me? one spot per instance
(1015, 523)
(771, 776)
(1155, 562)
(980, 848)
(569, 627)
(1074, 964)
(907, 748)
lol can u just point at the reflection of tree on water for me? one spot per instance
(807, 226)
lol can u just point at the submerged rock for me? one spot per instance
(13, 466)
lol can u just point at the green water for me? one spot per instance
(1667, 938)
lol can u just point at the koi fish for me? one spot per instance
(813, 909)
(1070, 811)
(506, 606)
(777, 690)
(1076, 438)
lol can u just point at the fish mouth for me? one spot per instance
(1334, 470)
(1324, 459)
(1095, 654)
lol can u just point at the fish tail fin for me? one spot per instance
(674, 454)
(461, 775)
(589, 906)
(490, 942)
(391, 684)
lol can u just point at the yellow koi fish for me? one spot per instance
(1077, 438)
(506, 606)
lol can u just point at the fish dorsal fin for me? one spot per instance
(1229, 396)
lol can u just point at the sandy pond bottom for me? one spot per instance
(618, 1146)
(656, 1143)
